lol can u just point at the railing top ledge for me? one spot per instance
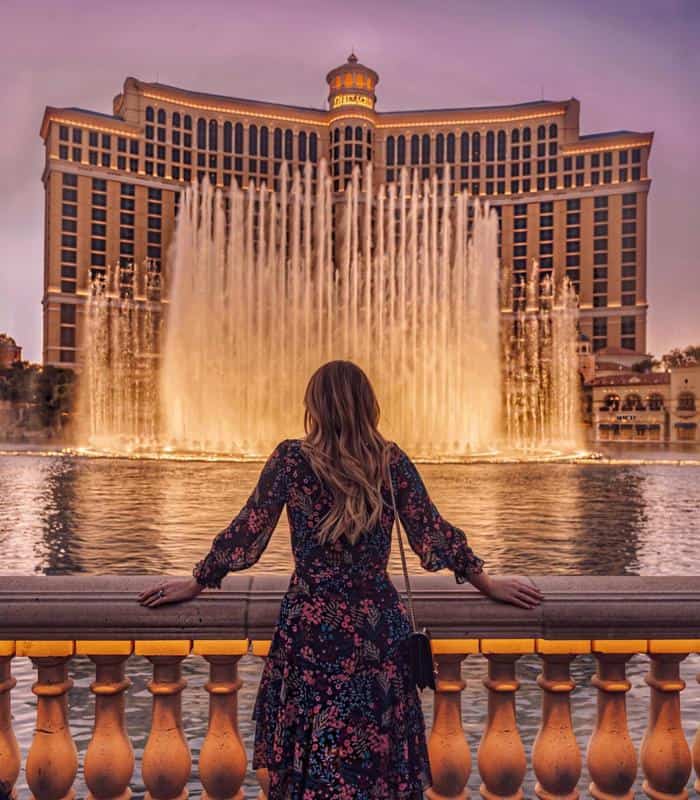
(247, 606)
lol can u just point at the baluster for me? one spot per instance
(665, 754)
(10, 759)
(556, 759)
(450, 759)
(52, 762)
(166, 763)
(261, 648)
(501, 755)
(109, 759)
(611, 757)
(696, 752)
(222, 760)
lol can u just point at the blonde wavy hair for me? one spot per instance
(345, 449)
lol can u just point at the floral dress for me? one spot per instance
(336, 717)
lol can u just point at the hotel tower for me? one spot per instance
(575, 203)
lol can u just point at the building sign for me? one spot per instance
(352, 100)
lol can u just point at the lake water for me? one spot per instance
(71, 515)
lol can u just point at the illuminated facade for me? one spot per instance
(577, 204)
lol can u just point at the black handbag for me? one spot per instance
(417, 646)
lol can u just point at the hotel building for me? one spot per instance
(576, 203)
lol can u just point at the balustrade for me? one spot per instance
(52, 620)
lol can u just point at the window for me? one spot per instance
(440, 148)
(686, 401)
(401, 150)
(415, 149)
(655, 401)
(476, 146)
(451, 148)
(288, 145)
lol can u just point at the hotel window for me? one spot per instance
(155, 210)
(519, 252)
(546, 238)
(629, 250)
(288, 145)
(401, 151)
(390, 158)
(415, 149)
(490, 146)
(600, 333)
(476, 146)
(213, 135)
(628, 340)
(440, 148)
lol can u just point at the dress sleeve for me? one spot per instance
(438, 544)
(242, 542)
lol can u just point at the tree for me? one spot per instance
(646, 364)
(45, 392)
(682, 358)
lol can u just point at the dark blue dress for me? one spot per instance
(336, 718)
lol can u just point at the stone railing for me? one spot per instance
(50, 619)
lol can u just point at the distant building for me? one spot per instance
(685, 395)
(646, 407)
(575, 202)
(10, 351)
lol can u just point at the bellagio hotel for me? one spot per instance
(576, 203)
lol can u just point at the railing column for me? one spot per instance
(450, 759)
(166, 763)
(501, 756)
(556, 759)
(52, 762)
(696, 752)
(261, 648)
(109, 759)
(611, 757)
(222, 759)
(665, 754)
(10, 759)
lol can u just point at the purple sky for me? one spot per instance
(633, 65)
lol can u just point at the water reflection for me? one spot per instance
(65, 515)
(68, 515)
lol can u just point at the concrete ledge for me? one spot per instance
(576, 607)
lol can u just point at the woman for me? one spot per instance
(336, 715)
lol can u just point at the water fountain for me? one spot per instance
(403, 279)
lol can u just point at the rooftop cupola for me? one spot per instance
(352, 84)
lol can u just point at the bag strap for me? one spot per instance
(403, 554)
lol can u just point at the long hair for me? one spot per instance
(345, 449)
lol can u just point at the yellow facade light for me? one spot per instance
(92, 127)
(601, 148)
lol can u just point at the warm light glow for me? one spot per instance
(352, 100)
(490, 121)
(601, 148)
(92, 127)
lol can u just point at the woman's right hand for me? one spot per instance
(514, 589)
(518, 590)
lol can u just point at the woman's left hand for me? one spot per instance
(170, 592)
